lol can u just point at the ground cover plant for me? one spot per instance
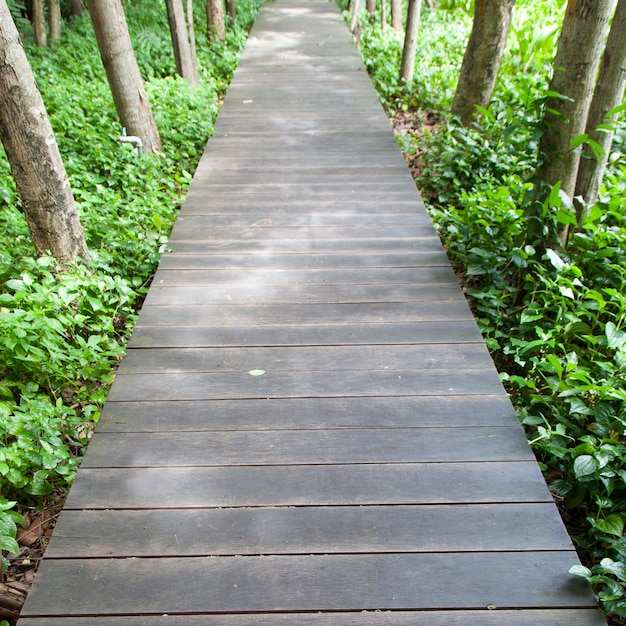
(553, 318)
(61, 334)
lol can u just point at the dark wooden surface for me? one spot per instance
(373, 471)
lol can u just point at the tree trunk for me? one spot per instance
(192, 36)
(370, 6)
(33, 153)
(575, 68)
(608, 94)
(39, 24)
(180, 41)
(231, 9)
(354, 16)
(215, 20)
(396, 15)
(407, 68)
(54, 19)
(77, 7)
(483, 56)
(383, 15)
(118, 58)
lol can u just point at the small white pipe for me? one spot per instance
(136, 141)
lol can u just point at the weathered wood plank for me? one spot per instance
(528, 617)
(177, 261)
(305, 359)
(311, 583)
(323, 485)
(238, 385)
(310, 335)
(308, 530)
(307, 413)
(302, 447)
(332, 276)
(327, 314)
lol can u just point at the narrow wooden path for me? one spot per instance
(375, 473)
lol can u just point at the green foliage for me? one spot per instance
(63, 333)
(554, 320)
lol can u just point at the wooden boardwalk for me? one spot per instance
(375, 473)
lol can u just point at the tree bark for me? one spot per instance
(54, 19)
(608, 94)
(407, 68)
(396, 15)
(370, 6)
(33, 154)
(215, 20)
(483, 57)
(354, 16)
(180, 42)
(575, 68)
(231, 10)
(192, 36)
(77, 7)
(39, 24)
(118, 58)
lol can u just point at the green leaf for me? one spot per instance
(256, 372)
(585, 465)
(555, 259)
(10, 545)
(579, 141)
(615, 338)
(580, 570)
(612, 525)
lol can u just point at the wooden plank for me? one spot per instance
(327, 314)
(339, 294)
(310, 583)
(331, 276)
(308, 530)
(307, 358)
(302, 447)
(323, 485)
(418, 258)
(310, 335)
(298, 413)
(527, 617)
(238, 385)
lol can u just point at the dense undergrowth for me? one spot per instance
(555, 323)
(62, 334)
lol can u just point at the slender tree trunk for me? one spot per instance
(383, 15)
(180, 41)
(608, 94)
(77, 7)
(215, 20)
(39, 24)
(483, 56)
(118, 58)
(231, 10)
(192, 36)
(396, 15)
(407, 68)
(354, 16)
(575, 68)
(54, 19)
(33, 153)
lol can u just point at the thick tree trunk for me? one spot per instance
(575, 68)
(77, 7)
(118, 58)
(54, 19)
(407, 68)
(39, 24)
(180, 41)
(370, 5)
(33, 153)
(483, 56)
(396, 15)
(608, 94)
(215, 20)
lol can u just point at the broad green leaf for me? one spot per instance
(615, 338)
(555, 259)
(579, 141)
(585, 465)
(612, 525)
(580, 570)
(256, 372)
(9, 544)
